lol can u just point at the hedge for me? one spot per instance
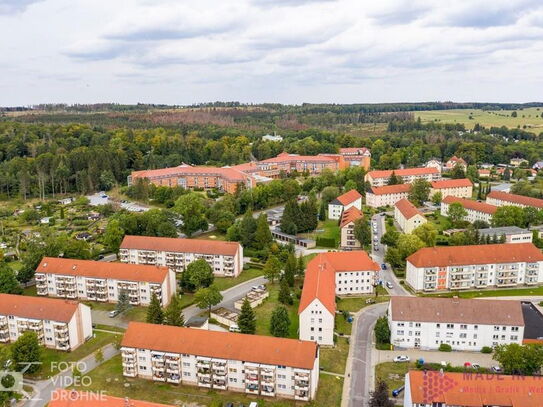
(326, 242)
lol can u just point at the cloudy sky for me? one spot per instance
(288, 51)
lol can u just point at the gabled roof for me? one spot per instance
(224, 345)
(407, 209)
(174, 244)
(347, 198)
(228, 173)
(320, 280)
(403, 172)
(454, 159)
(102, 269)
(73, 398)
(451, 183)
(354, 151)
(391, 189)
(37, 307)
(518, 199)
(443, 256)
(470, 204)
(350, 215)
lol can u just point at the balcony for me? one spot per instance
(65, 346)
(301, 395)
(159, 377)
(219, 384)
(252, 388)
(129, 372)
(204, 382)
(173, 378)
(203, 364)
(267, 390)
(40, 277)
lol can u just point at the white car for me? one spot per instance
(389, 285)
(401, 359)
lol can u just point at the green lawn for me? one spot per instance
(513, 292)
(440, 222)
(264, 311)
(392, 373)
(223, 283)
(108, 377)
(334, 359)
(30, 291)
(354, 304)
(327, 229)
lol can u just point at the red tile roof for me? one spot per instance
(73, 398)
(474, 390)
(391, 189)
(518, 199)
(320, 280)
(407, 209)
(476, 254)
(349, 197)
(286, 157)
(353, 150)
(174, 244)
(350, 215)
(470, 204)
(452, 183)
(37, 307)
(403, 172)
(102, 269)
(457, 310)
(224, 345)
(228, 173)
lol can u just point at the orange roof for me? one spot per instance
(391, 189)
(476, 254)
(403, 172)
(349, 197)
(72, 398)
(452, 183)
(517, 199)
(102, 269)
(350, 215)
(407, 209)
(455, 159)
(224, 345)
(228, 173)
(286, 157)
(320, 280)
(174, 244)
(37, 307)
(470, 204)
(474, 390)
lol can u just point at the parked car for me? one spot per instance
(396, 392)
(253, 404)
(496, 369)
(234, 328)
(475, 366)
(370, 301)
(401, 358)
(383, 266)
(467, 365)
(113, 314)
(389, 285)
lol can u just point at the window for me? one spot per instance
(450, 326)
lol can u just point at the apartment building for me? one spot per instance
(346, 225)
(356, 157)
(73, 398)
(59, 324)
(287, 163)
(344, 202)
(408, 216)
(329, 275)
(101, 281)
(475, 210)
(387, 195)
(225, 258)
(473, 267)
(448, 389)
(251, 364)
(453, 162)
(459, 188)
(434, 162)
(513, 234)
(464, 324)
(378, 178)
(499, 198)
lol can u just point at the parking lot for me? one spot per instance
(101, 198)
(454, 358)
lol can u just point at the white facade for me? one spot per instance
(408, 225)
(472, 214)
(317, 324)
(336, 208)
(408, 177)
(512, 234)
(348, 240)
(380, 200)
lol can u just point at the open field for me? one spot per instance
(512, 292)
(531, 118)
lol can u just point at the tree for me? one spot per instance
(107, 180)
(472, 173)
(290, 269)
(456, 212)
(113, 235)
(123, 303)
(263, 236)
(419, 192)
(300, 269)
(322, 211)
(349, 185)
(380, 396)
(173, 314)
(508, 215)
(247, 318)
(26, 352)
(506, 174)
(247, 229)
(519, 359)
(427, 232)
(280, 322)
(458, 172)
(409, 244)
(208, 297)
(437, 198)
(329, 193)
(531, 215)
(99, 356)
(198, 274)
(362, 231)
(192, 210)
(272, 268)
(382, 330)
(155, 315)
(394, 179)
(285, 296)
(390, 237)
(291, 217)
(8, 281)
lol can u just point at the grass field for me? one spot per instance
(513, 292)
(392, 373)
(334, 359)
(531, 118)
(327, 229)
(264, 311)
(223, 283)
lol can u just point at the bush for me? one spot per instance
(382, 346)
(326, 242)
(445, 347)
(486, 349)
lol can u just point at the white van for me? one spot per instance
(234, 328)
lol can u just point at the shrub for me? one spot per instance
(326, 242)
(486, 349)
(445, 347)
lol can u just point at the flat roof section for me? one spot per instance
(533, 322)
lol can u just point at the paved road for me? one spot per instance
(43, 389)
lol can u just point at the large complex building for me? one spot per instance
(104, 281)
(387, 195)
(328, 275)
(460, 188)
(473, 267)
(356, 157)
(346, 226)
(73, 398)
(474, 210)
(448, 389)
(59, 324)
(287, 163)
(464, 324)
(252, 364)
(408, 216)
(344, 202)
(225, 258)
(378, 178)
(499, 198)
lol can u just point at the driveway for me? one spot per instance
(454, 358)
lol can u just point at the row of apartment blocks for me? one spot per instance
(224, 258)
(474, 267)
(58, 324)
(379, 178)
(251, 364)
(247, 175)
(89, 280)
